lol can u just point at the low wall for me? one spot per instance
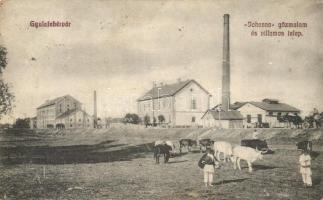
(272, 136)
(144, 135)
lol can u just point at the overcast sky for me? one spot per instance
(120, 47)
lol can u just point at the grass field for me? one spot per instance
(118, 164)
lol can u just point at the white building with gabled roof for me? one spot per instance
(267, 111)
(182, 104)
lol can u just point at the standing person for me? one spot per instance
(208, 162)
(305, 168)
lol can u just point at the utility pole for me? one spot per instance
(153, 104)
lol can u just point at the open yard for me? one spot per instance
(118, 164)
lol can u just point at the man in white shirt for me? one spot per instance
(305, 168)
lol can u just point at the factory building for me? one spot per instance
(182, 104)
(62, 112)
(265, 113)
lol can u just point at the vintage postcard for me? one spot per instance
(161, 99)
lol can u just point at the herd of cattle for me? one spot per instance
(249, 150)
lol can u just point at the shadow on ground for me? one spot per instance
(263, 167)
(314, 154)
(96, 153)
(177, 154)
(231, 181)
(178, 161)
(316, 181)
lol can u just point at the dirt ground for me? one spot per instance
(123, 169)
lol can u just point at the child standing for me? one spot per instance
(209, 162)
(305, 168)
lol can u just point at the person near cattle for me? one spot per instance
(305, 168)
(208, 162)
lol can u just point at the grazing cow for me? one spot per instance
(168, 142)
(186, 143)
(162, 149)
(245, 153)
(223, 147)
(205, 143)
(260, 145)
(304, 145)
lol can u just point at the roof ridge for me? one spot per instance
(265, 105)
(68, 112)
(168, 90)
(54, 100)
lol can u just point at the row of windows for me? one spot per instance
(71, 120)
(79, 125)
(60, 107)
(47, 117)
(158, 104)
(46, 112)
(259, 118)
(280, 114)
(164, 103)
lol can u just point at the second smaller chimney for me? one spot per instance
(95, 115)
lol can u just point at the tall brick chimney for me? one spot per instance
(226, 65)
(95, 115)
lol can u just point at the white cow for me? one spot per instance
(158, 142)
(171, 144)
(223, 147)
(245, 153)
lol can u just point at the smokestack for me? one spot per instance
(95, 116)
(226, 65)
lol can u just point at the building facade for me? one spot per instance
(267, 111)
(33, 123)
(74, 119)
(181, 104)
(54, 113)
(222, 119)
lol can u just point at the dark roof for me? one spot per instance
(269, 100)
(69, 112)
(53, 101)
(274, 106)
(228, 115)
(168, 90)
(234, 106)
(237, 105)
